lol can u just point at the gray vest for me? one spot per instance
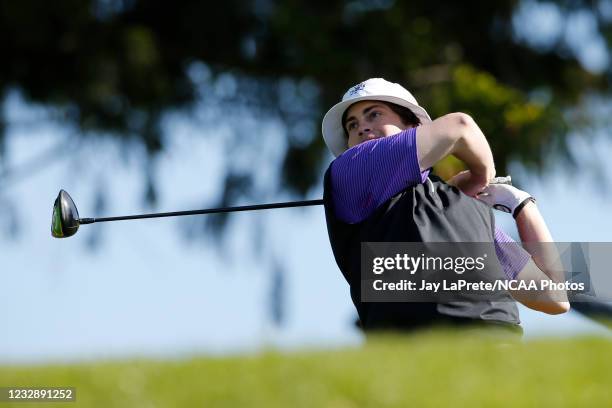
(428, 212)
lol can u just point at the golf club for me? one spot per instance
(65, 220)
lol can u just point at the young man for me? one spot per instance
(380, 189)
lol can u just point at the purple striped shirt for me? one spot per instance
(367, 175)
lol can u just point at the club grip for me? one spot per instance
(501, 180)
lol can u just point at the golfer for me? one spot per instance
(380, 188)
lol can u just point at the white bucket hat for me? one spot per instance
(376, 89)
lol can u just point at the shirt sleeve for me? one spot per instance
(367, 175)
(511, 254)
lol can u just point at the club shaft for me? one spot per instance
(288, 204)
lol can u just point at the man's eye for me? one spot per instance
(374, 114)
(351, 126)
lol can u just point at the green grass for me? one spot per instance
(429, 369)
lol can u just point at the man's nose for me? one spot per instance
(364, 129)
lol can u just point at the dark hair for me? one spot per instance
(406, 115)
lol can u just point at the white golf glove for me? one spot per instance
(506, 198)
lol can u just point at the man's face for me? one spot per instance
(367, 120)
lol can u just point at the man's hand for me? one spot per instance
(470, 183)
(504, 197)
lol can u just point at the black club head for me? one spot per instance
(65, 219)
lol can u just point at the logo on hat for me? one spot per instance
(354, 90)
